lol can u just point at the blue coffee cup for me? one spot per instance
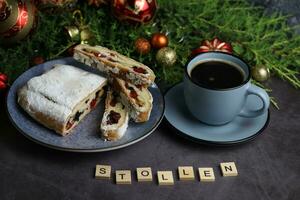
(220, 106)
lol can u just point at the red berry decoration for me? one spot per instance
(134, 11)
(3, 77)
(213, 45)
(3, 81)
(2, 86)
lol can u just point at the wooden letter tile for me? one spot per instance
(165, 177)
(206, 174)
(144, 174)
(228, 169)
(123, 176)
(186, 173)
(103, 172)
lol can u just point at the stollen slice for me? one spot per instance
(114, 64)
(137, 99)
(115, 118)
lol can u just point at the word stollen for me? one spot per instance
(185, 173)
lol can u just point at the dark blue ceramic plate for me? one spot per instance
(85, 137)
(238, 131)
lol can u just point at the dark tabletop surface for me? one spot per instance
(269, 167)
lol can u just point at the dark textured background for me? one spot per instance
(269, 167)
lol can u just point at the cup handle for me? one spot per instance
(261, 93)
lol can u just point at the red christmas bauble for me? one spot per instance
(134, 11)
(19, 20)
(213, 45)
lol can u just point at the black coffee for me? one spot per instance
(217, 75)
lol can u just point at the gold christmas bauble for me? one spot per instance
(166, 57)
(142, 46)
(159, 40)
(72, 32)
(260, 73)
(85, 36)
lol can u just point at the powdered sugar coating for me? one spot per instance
(66, 85)
(57, 92)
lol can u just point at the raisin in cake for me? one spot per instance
(114, 64)
(115, 118)
(137, 99)
(60, 98)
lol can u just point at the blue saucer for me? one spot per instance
(238, 131)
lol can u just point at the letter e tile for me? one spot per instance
(206, 174)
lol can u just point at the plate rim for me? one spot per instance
(92, 150)
(214, 143)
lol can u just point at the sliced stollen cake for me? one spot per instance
(60, 98)
(137, 99)
(115, 118)
(114, 64)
